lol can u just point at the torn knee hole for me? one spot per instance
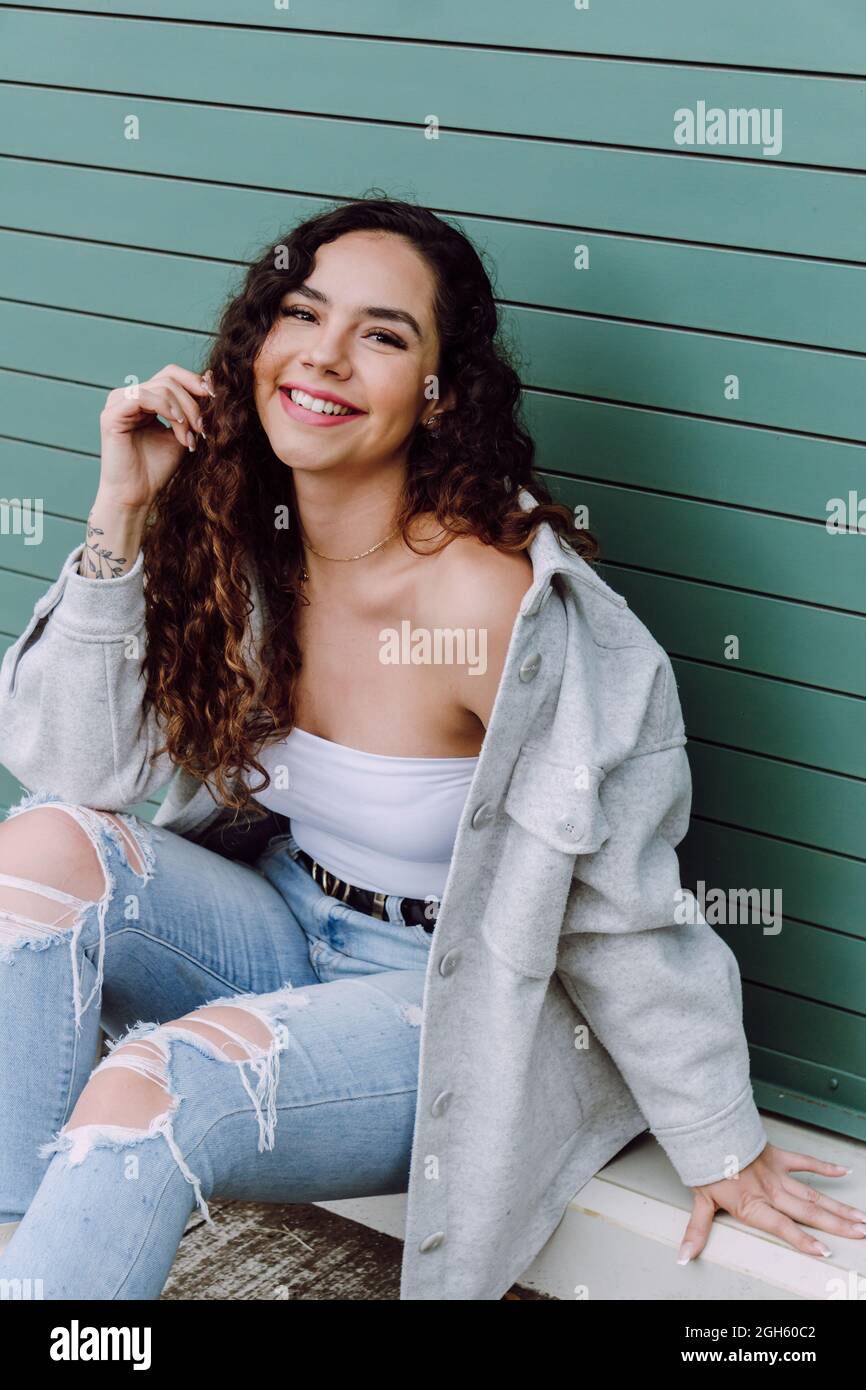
(35, 913)
(72, 834)
(122, 1129)
(137, 1102)
(134, 1101)
(110, 1101)
(133, 854)
(39, 897)
(97, 1120)
(215, 1018)
(32, 907)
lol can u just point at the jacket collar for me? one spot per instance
(550, 558)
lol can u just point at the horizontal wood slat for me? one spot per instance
(593, 100)
(763, 469)
(91, 350)
(739, 203)
(749, 550)
(765, 296)
(48, 411)
(812, 808)
(818, 392)
(793, 641)
(773, 717)
(823, 1034)
(775, 34)
(170, 291)
(820, 887)
(28, 556)
(803, 960)
(65, 481)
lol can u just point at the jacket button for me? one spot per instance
(448, 963)
(570, 825)
(484, 814)
(431, 1242)
(530, 667)
(441, 1103)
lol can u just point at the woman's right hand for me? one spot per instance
(139, 454)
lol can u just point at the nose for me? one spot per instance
(328, 352)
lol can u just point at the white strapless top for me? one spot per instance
(381, 822)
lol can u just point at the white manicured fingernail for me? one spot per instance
(822, 1249)
(685, 1254)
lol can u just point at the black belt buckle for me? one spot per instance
(366, 900)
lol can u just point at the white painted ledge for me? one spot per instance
(620, 1235)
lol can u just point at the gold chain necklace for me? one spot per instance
(305, 575)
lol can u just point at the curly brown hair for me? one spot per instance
(215, 516)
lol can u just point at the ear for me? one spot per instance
(446, 402)
(450, 400)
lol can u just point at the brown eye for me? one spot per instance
(391, 338)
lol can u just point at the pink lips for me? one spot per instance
(312, 417)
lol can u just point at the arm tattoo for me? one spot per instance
(96, 558)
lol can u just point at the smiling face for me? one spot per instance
(360, 331)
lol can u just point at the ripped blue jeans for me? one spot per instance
(324, 1111)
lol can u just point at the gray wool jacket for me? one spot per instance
(568, 1005)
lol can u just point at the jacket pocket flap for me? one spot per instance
(558, 803)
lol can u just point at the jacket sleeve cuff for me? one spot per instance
(96, 608)
(719, 1147)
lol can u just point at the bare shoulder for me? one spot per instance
(473, 584)
(477, 589)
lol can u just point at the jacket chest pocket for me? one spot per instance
(555, 814)
(559, 804)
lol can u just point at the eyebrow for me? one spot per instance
(368, 311)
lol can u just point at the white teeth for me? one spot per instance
(318, 405)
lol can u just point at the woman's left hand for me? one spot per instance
(765, 1196)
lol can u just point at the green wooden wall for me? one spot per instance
(705, 262)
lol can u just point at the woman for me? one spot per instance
(330, 570)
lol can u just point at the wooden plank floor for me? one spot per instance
(265, 1251)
